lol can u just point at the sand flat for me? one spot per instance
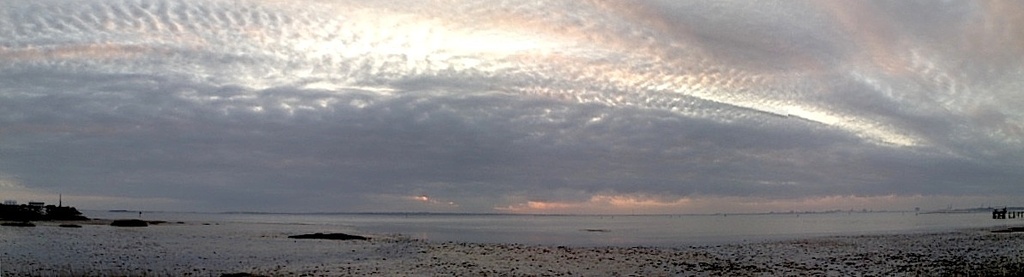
(264, 249)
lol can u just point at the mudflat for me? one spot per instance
(205, 249)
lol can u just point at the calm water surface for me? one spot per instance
(587, 230)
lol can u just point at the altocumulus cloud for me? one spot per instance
(483, 106)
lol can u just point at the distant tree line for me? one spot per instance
(39, 213)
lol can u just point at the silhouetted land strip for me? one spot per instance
(39, 213)
(240, 274)
(129, 223)
(1010, 230)
(18, 224)
(331, 236)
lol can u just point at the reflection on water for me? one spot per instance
(597, 230)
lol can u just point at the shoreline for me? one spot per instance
(654, 230)
(195, 248)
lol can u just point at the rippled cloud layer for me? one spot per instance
(564, 106)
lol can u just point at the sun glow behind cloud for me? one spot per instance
(639, 204)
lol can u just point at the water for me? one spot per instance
(597, 230)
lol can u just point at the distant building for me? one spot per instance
(10, 202)
(999, 214)
(36, 204)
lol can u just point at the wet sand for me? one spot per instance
(195, 249)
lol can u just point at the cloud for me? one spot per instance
(8, 183)
(576, 106)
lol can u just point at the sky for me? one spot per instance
(585, 106)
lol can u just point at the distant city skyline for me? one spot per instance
(610, 107)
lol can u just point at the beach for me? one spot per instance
(216, 248)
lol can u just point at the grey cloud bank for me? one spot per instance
(561, 106)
